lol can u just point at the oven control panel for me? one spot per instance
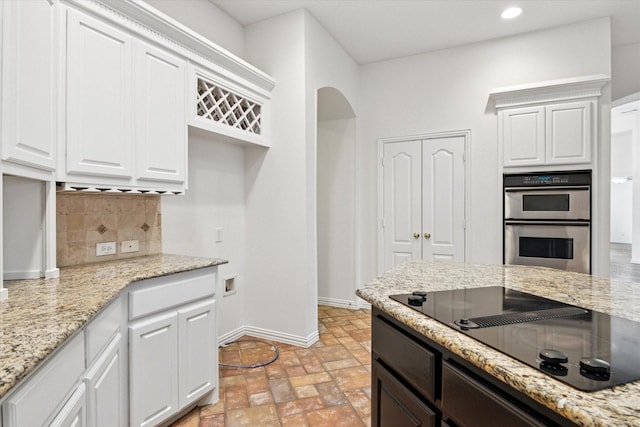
(548, 179)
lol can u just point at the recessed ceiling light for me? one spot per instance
(511, 13)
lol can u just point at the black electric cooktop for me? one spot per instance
(583, 348)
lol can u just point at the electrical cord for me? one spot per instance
(257, 365)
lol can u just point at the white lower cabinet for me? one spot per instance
(172, 362)
(172, 344)
(198, 353)
(153, 376)
(103, 378)
(106, 388)
(74, 412)
(38, 400)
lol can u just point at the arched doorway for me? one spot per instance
(335, 203)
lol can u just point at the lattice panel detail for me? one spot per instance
(222, 106)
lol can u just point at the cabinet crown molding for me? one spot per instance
(166, 27)
(549, 91)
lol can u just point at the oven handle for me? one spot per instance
(558, 223)
(554, 189)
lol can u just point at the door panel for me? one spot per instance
(402, 201)
(443, 199)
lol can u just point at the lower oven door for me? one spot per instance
(561, 245)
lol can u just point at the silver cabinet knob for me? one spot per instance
(416, 235)
(427, 235)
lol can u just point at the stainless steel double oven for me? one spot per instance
(547, 220)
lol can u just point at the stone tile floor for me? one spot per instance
(328, 384)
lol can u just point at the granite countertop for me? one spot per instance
(41, 314)
(619, 406)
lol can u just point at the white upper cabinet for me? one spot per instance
(161, 128)
(99, 99)
(523, 136)
(28, 117)
(568, 132)
(133, 80)
(549, 124)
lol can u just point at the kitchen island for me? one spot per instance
(619, 405)
(91, 304)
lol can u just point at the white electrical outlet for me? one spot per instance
(129, 246)
(218, 234)
(107, 248)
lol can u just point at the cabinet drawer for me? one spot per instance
(99, 331)
(395, 405)
(41, 395)
(415, 363)
(158, 294)
(470, 403)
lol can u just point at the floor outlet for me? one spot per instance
(129, 246)
(107, 248)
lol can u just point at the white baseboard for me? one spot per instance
(340, 303)
(267, 334)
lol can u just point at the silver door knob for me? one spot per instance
(416, 235)
(427, 235)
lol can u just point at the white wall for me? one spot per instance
(215, 198)
(281, 182)
(625, 68)
(277, 252)
(23, 217)
(206, 19)
(448, 90)
(336, 212)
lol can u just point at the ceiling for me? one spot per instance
(377, 30)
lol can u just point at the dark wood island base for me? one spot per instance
(416, 382)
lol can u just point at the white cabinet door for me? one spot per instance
(197, 351)
(99, 98)
(106, 388)
(28, 83)
(160, 124)
(74, 412)
(153, 369)
(523, 136)
(568, 133)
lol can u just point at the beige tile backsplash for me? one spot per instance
(80, 217)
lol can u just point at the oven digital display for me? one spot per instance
(545, 202)
(546, 247)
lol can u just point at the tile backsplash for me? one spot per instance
(82, 220)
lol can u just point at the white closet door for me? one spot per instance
(401, 202)
(443, 199)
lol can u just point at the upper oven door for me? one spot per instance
(555, 203)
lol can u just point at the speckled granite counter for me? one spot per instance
(618, 406)
(41, 314)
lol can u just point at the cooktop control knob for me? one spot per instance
(554, 357)
(595, 366)
(423, 294)
(415, 300)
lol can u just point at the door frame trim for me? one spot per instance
(464, 133)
